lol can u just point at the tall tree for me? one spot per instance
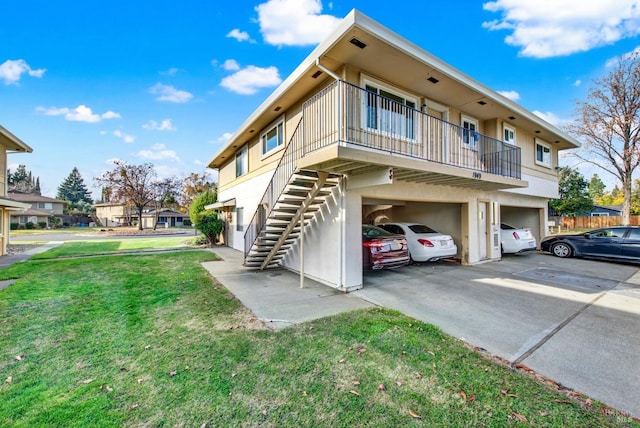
(574, 198)
(596, 187)
(131, 184)
(167, 193)
(609, 124)
(22, 181)
(194, 185)
(75, 192)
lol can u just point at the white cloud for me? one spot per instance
(81, 113)
(224, 137)
(512, 95)
(125, 137)
(12, 70)
(241, 36)
(577, 83)
(198, 162)
(158, 152)
(164, 125)
(169, 93)
(294, 22)
(552, 118)
(170, 72)
(231, 65)
(248, 80)
(548, 28)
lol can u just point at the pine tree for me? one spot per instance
(74, 191)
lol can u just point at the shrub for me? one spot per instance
(14, 226)
(29, 225)
(42, 224)
(210, 225)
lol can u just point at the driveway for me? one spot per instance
(574, 321)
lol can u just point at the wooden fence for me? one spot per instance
(592, 222)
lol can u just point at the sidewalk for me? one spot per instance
(275, 296)
(25, 255)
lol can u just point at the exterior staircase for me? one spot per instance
(303, 195)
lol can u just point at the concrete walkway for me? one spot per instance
(574, 321)
(20, 257)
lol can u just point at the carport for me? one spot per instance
(441, 216)
(531, 218)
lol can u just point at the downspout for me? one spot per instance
(326, 70)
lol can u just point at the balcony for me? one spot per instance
(349, 130)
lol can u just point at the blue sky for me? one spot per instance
(167, 82)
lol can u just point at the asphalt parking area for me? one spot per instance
(575, 321)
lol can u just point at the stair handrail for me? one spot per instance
(281, 175)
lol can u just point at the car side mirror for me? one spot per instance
(587, 235)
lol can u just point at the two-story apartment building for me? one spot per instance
(9, 143)
(41, 209)
(371, 126)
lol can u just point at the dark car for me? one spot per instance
(382, 249)
(609, 243)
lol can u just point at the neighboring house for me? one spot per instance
(41, 209)
(9, 143)
(113, 214)
(606, 210)
(117, 214)
(166, 218)
(371, 126)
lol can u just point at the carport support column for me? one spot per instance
(302, 250)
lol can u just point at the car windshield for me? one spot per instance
(421, 228)
(374, 231)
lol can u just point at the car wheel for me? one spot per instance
(561, 249)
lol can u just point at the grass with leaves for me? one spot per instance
(153, 340)
(109, 246)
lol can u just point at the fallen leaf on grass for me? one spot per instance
(519, 416)
(463, 395)
(133, 406)
(342, 360)
(356, 383)
(124, 369)
(417, 375)
(140, 381)
(414, 414)
(87, 381)
(146, 348)
(399, 383)
(472, 398)
(361, 349)
(20, 357)
(173, 373)
(264, 413)
(9, 379)
(354, 392)
(563, 401)
(588, 402)
(381, 387)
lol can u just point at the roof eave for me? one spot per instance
(12, 142)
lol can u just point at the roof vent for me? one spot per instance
(482, 103)
(433, 80)
(511, 118)
(316, 74)
(357, 43)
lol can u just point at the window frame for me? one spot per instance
(547, 146)
(278, 126)
(239, 219)
(466, 133)
(410, 133)
(242, 155)
(506, 128)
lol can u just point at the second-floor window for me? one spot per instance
(509, 135)
(390, 111)
(273, 138)
(543, 154)
(470, 132)
(242, 162)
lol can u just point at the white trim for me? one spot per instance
(506, 127)
(544, 144)
(273, 125)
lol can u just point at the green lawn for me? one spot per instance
(152, 340)
(107, 246)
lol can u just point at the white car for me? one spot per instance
(425, 244)
(516, 240)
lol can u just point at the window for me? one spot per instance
(543, 154)
(273, 138)
(239, 219)
(242, 162)
(470, 132)
(509, 135)
(390, 111)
